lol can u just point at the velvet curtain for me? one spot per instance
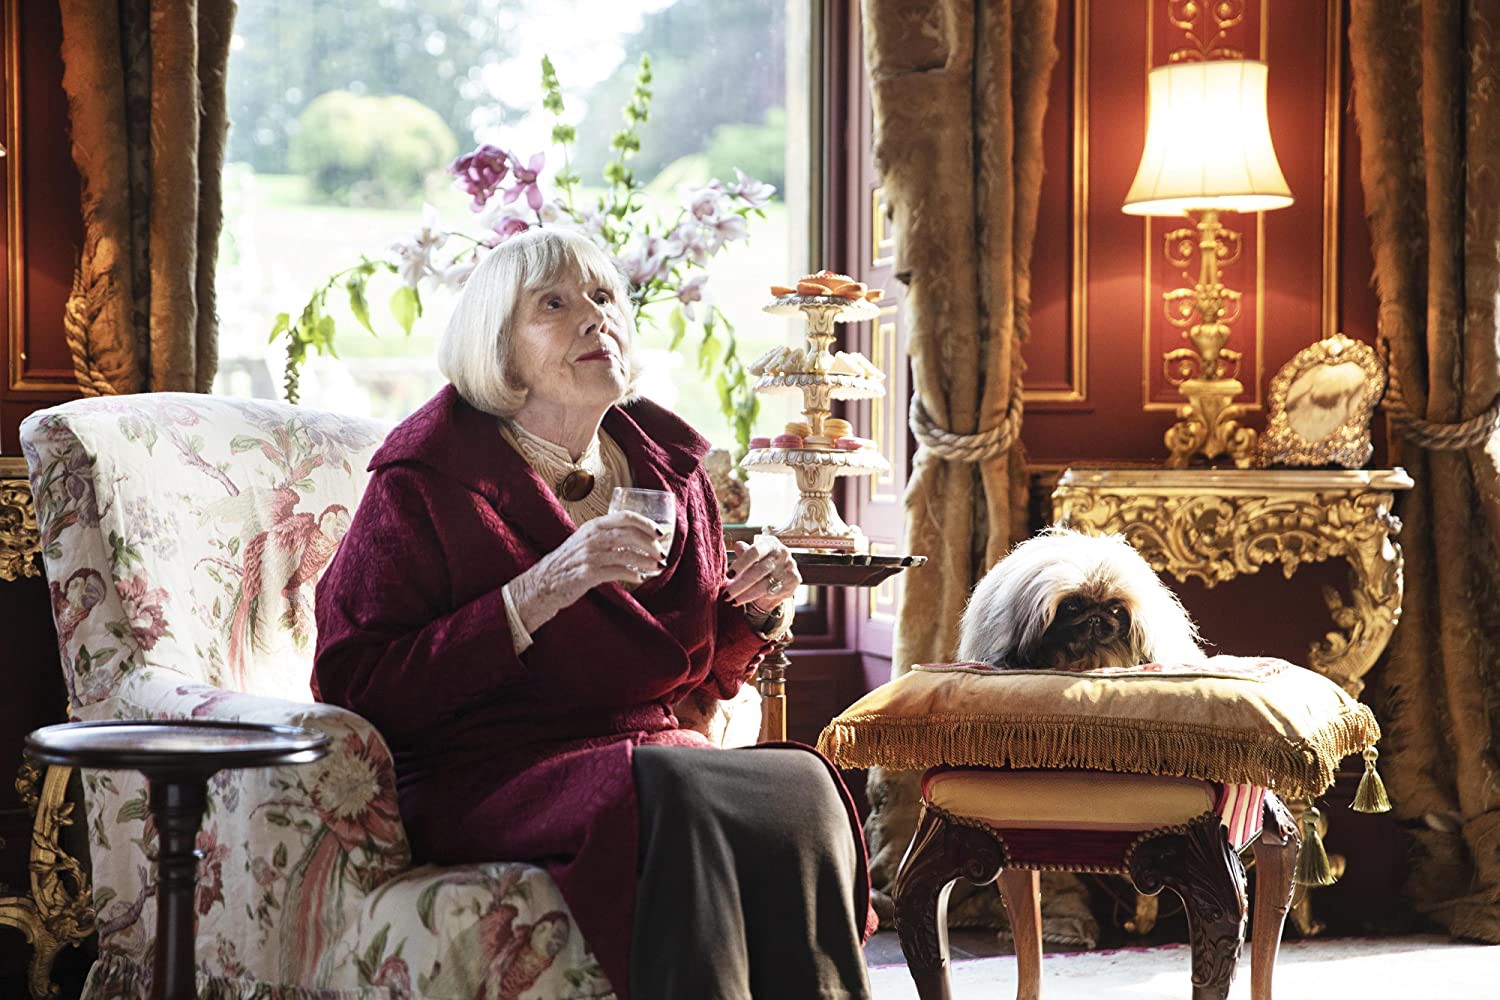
(145, 86)
(959, 88)
(1427, 101)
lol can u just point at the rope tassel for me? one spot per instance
(1312, 860)
(1371, 796)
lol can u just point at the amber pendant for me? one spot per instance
(578, 484)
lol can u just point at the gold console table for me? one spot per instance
(58, 910)
(1217, 524)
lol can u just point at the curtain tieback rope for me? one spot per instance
(1471, 433)
(984, 446)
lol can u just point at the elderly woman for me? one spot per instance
(522, 649)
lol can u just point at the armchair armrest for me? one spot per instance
(291, 854)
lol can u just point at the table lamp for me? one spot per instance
(1208, 150)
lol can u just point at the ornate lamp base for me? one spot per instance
(1207, 424)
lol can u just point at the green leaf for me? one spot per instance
(282, 325)
(709, 350)
(135, 809)
(244, 442)
(358, 304)
(677, 323)
(278, 819)
(324, 336)
(406, 306)
(425, 904)
(376, 950)
(278, 857)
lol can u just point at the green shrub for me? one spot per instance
(375, 151)
(758, 150)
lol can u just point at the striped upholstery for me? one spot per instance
(1086, 819)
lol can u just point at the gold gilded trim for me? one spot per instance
(59, 911)
(882, 355)
(20, 540)
(1077, 390)
(882, 239)
(1333, 92)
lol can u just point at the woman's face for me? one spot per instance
(571, 339)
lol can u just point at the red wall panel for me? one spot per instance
(1099, 275)
(42, 225)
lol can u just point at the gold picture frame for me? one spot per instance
(1321, 403)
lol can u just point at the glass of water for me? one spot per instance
(657, 506)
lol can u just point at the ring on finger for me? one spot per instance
(775, 585)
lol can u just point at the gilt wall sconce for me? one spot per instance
(1208, 150)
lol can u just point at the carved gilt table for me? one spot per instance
(1217, 524)
(57, 911)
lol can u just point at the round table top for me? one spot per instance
(189, 745)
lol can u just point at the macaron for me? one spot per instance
(822, 441)
(760, 442)
(836, 427)
(798, 428)
(847, 444)
(787, 441)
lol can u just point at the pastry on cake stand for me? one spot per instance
(821, 449)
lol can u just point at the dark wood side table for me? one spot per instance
(177, 757)
(818, 569)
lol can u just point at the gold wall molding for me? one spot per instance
(1216, 525)
(20, 541)
(1077, 389)
(1206, 25)
(882, 230)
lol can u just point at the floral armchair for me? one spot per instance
(183, 536)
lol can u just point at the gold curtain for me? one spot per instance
(1427, 101)
(145, 86)
(959, 88)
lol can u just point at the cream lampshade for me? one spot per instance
(1208, 150)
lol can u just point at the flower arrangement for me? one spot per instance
(664, 259)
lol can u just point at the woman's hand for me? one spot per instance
(761, 575)
(620, 547)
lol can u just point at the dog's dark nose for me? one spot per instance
(1101, 624)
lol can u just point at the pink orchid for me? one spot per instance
(756, 193)
(479, 173)
(526, 181)
(691, 291)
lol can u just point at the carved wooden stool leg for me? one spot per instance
(1198, 864)
(1022, 891)
(1275, 862)
(941, 852)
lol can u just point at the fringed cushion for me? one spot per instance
(1232, 720)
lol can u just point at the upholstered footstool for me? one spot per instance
(1171, 833)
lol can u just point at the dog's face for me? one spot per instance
(1089, 624)
(1068, 601)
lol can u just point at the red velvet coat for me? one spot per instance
(528, 758)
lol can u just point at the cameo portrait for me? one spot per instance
(1321, 403)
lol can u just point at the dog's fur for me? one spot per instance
(1063, 600)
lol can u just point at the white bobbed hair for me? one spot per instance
(477, 348)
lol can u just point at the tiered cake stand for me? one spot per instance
(815, 523)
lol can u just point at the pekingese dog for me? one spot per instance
(1063, 600)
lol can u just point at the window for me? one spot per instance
(346, 113)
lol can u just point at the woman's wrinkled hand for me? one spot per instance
(619, 547)
(761, 575)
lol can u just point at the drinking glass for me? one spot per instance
(657, 506)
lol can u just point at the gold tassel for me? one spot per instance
(1371, 797)
(1312, 860)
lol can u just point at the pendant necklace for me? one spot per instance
(577, 485)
